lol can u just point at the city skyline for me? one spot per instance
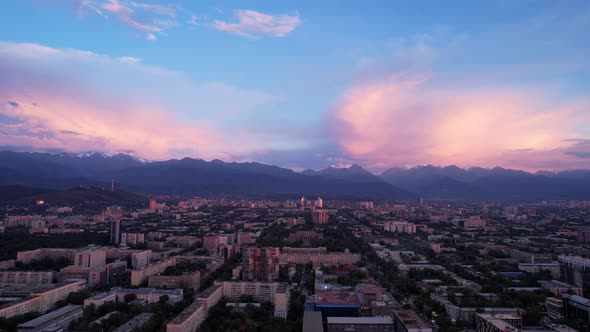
(300, 84)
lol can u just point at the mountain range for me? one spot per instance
(180, 177)
(198, 177)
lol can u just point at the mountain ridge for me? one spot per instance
(193, 176)
(185, 176)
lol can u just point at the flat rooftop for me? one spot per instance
(410, 319)
(135, 322)
(186, 313)
(361, 320)
(312, 321)
(207, 292)
(335, 298)
(50, 316)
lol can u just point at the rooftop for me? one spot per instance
(207, 292)
(135, 322)
(580, 300)
(312, 321)
(186, 313)
(335, 298)
(50, 316)
(360, 320)
(410, 319)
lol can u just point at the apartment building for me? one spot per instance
(43, 302)
(276, 293)
(138, 276)
(8, 278)
(191, 318)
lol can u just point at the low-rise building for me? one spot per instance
(407, 320)
(26, 278)
(186, 280)
(138, 276)
(538, 267)
(43, 302)
(497, 323)
(57, 319)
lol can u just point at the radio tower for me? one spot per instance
(113, 185)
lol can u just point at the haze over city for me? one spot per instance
(300, 84)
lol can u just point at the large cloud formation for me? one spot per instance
(409, 119)
(74, 100)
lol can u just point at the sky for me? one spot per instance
(301, 84)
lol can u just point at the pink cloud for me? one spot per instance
(255, 24)
(81, 123)
(58, 99)
(406, 119)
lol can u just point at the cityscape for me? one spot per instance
(294, 166)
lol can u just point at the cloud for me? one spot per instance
(255, 24)
(77, 100)
(197, 20)
(410, 118)
(148, 18)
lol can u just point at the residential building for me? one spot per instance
(8, 278)
(140, 275)
(57, 319)
(186, 280)
(554, 307)
(320, 217)
(115, 231)
(576, 308)
(193, 316)
(407, 320)
(497, 323)
(575, 270)
(276, 293)
(43, 302)
(557, 287)
(554, 268)
(317, 256)
(260, 263)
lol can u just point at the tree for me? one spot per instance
(129, 298)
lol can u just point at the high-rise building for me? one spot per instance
(576, 308)
(319, 203)
(90, 258)
(260, 263)
(153, 205)
(115, 231)
(320, 217)
(584, 236)
(575, 270)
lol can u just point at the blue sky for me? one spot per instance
(301, 84)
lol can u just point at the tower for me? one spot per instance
(113, 185)
(115, 231)
(320, 202)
